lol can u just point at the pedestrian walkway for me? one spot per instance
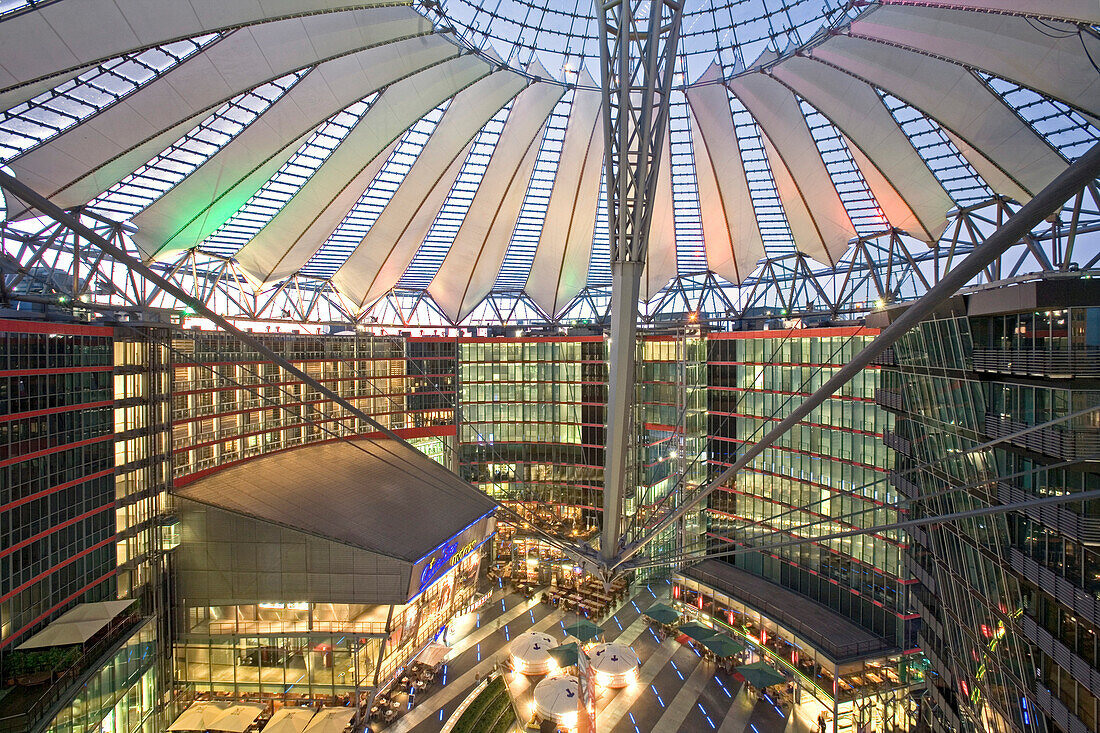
(676, 689)
(737, 717)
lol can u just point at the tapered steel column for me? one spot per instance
(638, 40)
(618, 477)
(1081, 173)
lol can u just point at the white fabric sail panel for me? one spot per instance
(893, 205)
(560, 267)
(1084, 11)
(826, 231)
(388, 247)
(58, 37)
(203, 201)
(731, 233)
(299, 229)
(660, 264)
(471, 266)
(268, 258)
(94, 182)
(68, 169)
(951, 95)
(17, 95)
(990, 173)
(1051, 58)
(910, 195)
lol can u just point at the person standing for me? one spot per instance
(821, 723)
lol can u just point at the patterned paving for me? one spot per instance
(676, 689)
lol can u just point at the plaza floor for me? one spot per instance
(676, 691)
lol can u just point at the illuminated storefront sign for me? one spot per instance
(435, 564)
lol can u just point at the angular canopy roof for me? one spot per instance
(369, 494)
(77, 625)
(370, 145)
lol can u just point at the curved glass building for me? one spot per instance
(331, 329)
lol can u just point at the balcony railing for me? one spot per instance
(1078, 444)
(898, 443)
(1065, 592)
(1063, 656)
(249, 628)
(892, 399)
(1057, 710)
(1085, 530)
(904, 485)
(1062, 364)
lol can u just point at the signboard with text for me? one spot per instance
(442, 559)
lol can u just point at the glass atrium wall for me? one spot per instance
(221, 414)
(1008, 601)
(834, 464)
(671, 458)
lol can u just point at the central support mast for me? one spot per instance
(638, 40)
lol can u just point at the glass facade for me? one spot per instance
(323, 652)
(531, 428)
(229, 403)
(1009, 600)
(828, 474)
(85, 471)
(56, 473)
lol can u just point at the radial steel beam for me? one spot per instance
(1076, 177)
(638, 41)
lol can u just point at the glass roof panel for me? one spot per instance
(721, 39)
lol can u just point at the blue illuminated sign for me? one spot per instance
(439, 561)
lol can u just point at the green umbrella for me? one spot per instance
(760, 675)
(583, 630)
(722, 645)
(696, 630)
(662, 614)
(565, 655)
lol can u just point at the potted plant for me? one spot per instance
(36, 669)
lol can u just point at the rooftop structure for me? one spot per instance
(806, 142)
(360, 493)
(788, 303)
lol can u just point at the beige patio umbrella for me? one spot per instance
(198, 717)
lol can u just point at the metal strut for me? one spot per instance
(1076, 177)
(638, 42)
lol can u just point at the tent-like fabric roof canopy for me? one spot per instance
(382, 146)
(77, 625)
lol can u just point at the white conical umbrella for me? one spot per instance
(616, 665)
(530, 652)
(289, 720)
(198, 717)
(556, 699)
(236, 718)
